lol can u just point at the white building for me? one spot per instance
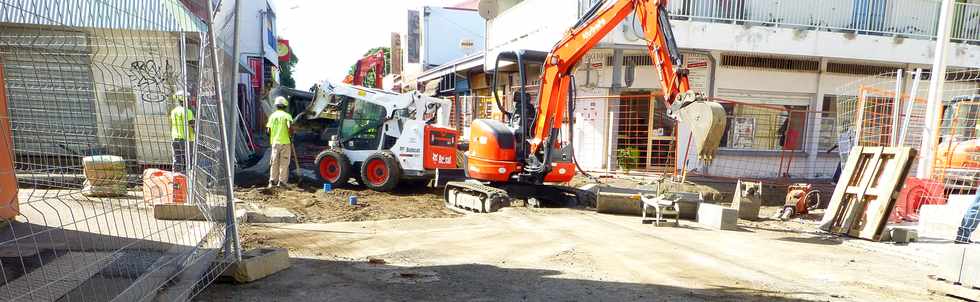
(435, 37)
(770, 56)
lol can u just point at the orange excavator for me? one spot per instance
(521, 157)
(376, 62)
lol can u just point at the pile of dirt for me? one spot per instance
(315, 206)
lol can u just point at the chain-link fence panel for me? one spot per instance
(113, 163)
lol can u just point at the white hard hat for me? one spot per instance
(179, 95)
(281, 101)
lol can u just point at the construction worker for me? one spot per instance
(181, 130)
(279, 124)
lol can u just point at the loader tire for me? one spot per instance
(381, 172)
(333, 167)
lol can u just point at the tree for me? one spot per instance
(369, 79)
(286, 71)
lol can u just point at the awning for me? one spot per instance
(464, 63)
(432, 87)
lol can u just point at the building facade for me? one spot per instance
(776, 66)
(79, 85)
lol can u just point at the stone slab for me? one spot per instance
(270, 215)
(942, 221)
(183, 211)
(970, 273)
(901, 234)
(941, 287)
(257, 264)
(717, 217)
(951, 263)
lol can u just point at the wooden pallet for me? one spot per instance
(942, 287)
(867, 191)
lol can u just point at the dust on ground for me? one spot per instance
(312, 205)
(571, 255)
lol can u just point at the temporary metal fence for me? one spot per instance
(777, 144)
(774, 143)
(869, 114)
(640, 136)
(908, 18)
(87, 88)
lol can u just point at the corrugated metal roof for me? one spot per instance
(153, 15)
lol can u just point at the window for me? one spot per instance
(960, 119)
(766, 127)
(361, 127)
(828, 122)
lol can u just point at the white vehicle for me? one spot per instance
(384, 137)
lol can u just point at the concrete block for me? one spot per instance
(970, 273)
(718, 217)
(747, 207)
(747, 199)
(180, 211)
(942, 221)
(901, 235)
(688, 209)
(886, 235)
(271, 215)
(951, 263)
(183, 211)
(257, 264)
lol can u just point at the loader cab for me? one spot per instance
(361, 124)
(959, 145)
(960, 119)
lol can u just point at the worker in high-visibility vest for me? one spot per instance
(279, 124)
(181, 130)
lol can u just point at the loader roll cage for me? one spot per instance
(360, 123)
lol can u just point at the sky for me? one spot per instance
(328, 36)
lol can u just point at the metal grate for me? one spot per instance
(861, 69)
(633, 60)
(744, 61)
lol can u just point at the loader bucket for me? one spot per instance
(707, 121)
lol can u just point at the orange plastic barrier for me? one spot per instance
(9, 205)
(161, 186)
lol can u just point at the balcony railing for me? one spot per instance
(908, 18)
(916, 19)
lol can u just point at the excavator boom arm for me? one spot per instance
(376, 62)
(570, 50)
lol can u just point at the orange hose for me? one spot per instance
(8, 179)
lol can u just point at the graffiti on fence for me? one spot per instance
(151, 80)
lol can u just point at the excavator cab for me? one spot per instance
(538, 168)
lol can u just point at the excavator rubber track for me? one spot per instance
(471, 197)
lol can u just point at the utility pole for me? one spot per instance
(236, 80)
(930, 133)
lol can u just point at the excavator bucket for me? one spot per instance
(707, 122)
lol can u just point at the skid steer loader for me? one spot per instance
(383, 138)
